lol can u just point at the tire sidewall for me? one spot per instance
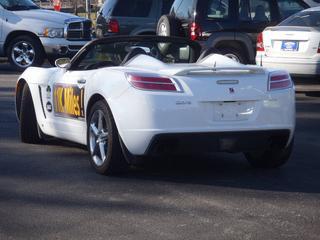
(164, 20)
(172, 29)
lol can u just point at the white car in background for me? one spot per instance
(125, 97)
(293, 45)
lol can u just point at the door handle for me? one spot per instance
(81, 81)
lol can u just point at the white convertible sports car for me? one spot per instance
(129, 97)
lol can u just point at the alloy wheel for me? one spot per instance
(23, 54)
(98, 137)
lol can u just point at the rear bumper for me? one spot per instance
(193, 143)
(149, 116)
(295, 66)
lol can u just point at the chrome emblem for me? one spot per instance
(231, 90)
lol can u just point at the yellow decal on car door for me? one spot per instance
(68, 101)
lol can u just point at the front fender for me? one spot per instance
(34, 77)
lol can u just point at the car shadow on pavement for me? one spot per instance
(226, 170)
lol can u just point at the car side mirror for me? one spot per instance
(63, 63)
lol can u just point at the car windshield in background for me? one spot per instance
(118, 53)
(304, 19)
(137, 8)
(18, 5)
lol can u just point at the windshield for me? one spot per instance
(120, 51)
(303, 19)
(107, 7)
(16, 5)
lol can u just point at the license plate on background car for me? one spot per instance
(290, 46)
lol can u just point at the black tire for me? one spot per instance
(25, 43)
(167, 26)
(235, 54)
(28, 126)
(273, 157)
(172, 26)
(114, 161)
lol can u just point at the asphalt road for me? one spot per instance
(51, 192)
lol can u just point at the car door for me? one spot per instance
(63, 101)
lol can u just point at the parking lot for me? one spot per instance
(51, 192)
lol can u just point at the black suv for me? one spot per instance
(130, 17)
(229, 27)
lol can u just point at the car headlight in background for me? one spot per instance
(53, 32)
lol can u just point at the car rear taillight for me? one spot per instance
(195, 31)
(113, 26)
(260, 47)
(152, 82)
(318, 48)
(279, 80)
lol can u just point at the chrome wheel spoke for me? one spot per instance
(23, 54)
(17, 50)
(102, 151)
(27, 60)
(19, 59)
(104, 135)
(30, 52)
(98, 138)
(100, 124)
(94, 129)
(96, 150)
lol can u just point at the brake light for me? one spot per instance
(152, 82)
(279, 80)
(260, 47)
(195, 31)
(113, 26)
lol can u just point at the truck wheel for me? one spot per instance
(103, 141)
(273, 157)
(235, 54)
(25, 51)
(28, 126)
(167, 26)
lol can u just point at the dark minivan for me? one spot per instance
(130, 17)
(229, 27)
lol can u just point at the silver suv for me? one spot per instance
(29, 35)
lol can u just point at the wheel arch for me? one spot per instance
(93, 99)
(228, 39)
(19, 88)
(18, 33)
(237, 45)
